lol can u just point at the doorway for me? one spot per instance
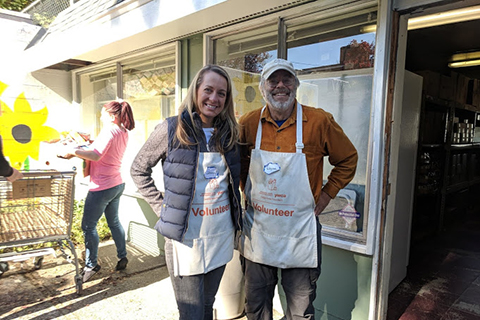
(443, 273)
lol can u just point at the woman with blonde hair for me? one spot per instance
(199, 212)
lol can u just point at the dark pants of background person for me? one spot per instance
(299, 284)
(97, 203)
(195, 295)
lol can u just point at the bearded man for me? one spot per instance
(282, 147)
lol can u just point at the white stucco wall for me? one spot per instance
(28, 94)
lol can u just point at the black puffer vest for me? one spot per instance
(179, 171)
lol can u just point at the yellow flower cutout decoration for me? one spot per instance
(22, 130)
(248, 96)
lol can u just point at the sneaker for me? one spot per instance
(122, 264)
(88, 273)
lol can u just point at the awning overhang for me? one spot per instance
(145, 25)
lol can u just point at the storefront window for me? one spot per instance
(334, 58)
(347, 96)
(147, 83)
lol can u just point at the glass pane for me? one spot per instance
(334, 59)
(247, 51)
(96, 88)
(347, 96)
(243, 55)
(149, 87)
(331, 45)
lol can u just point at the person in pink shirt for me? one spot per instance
(106, 184)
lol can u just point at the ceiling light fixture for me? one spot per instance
(466, 59)
(437, 19)
(462, 64)
(447, 17)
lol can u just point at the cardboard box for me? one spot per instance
(431, 82)
(476, 94)
(447, 88)
(461, 87)
(32, 188)
(470, 85)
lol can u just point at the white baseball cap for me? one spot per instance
(277, 64)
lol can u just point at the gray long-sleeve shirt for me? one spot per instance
(154, 150)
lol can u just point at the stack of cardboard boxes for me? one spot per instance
(456, 87)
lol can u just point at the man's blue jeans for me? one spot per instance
(195, 295)
(97, 203)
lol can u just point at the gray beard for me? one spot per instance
(281, 105)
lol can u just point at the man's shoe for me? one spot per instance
(88, 273)
(122, 264)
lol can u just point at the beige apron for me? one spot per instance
(279, 221)
(208, 242)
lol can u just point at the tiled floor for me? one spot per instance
(443, 280)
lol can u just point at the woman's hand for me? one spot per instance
(66, 153)
(66, 156)
(15, 175)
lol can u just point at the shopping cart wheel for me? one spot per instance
(38, 263)
(78, 284)
(3, 267)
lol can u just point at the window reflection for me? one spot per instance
(243, 56)
(149, 87)
(332, 44)
(248, 51)
(97, 88)
(353, 52)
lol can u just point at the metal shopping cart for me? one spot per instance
(37, 209)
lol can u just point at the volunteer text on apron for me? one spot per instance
(279, 223)
(208, 242)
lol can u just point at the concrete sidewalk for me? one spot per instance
(142, 291)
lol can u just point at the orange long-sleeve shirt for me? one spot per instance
(322, 136)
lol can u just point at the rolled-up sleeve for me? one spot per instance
(342, 156)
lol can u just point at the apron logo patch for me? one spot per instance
(212, 184)
(272, 184)
(211, 173)
(271, 167)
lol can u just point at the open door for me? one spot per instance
(405, 184)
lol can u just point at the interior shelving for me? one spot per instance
(448, 164)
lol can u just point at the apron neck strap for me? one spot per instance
(299, 144)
